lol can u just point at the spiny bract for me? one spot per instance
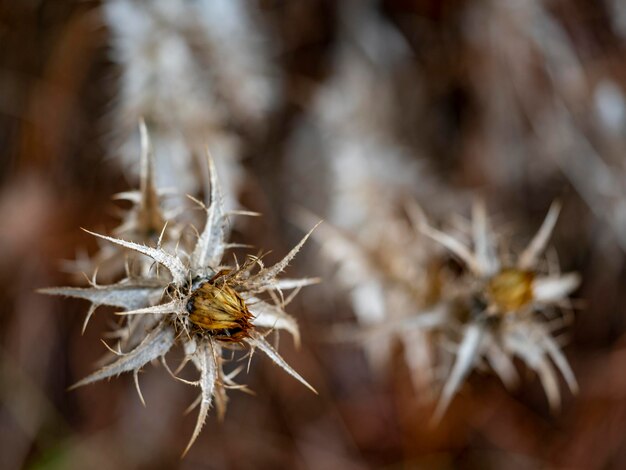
(197, 302)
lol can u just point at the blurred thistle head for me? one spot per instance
(199, 303)
(506, 285)
(497, 306)
(503, 306)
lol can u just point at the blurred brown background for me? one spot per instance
(521, 101)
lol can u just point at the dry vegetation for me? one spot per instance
(433, 138)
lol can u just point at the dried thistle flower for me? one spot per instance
(496, 309)
(502, 307)
(198, 302)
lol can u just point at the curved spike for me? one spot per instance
(466, 357)
(257, 341)
(267, 275)
(484, 246)
(501, 363)
(210, 246)
(453, 245)
(146, 184)
(205, 361)
(560, 360)
(149, 215)
(289, 284)
(522, 341)
(529, 256)
(136, 379)
(170, 307)
(92, 309)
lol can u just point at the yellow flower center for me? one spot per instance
(511, 289)
(219, 309)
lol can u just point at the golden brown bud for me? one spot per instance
(218, 308)
(511, 289)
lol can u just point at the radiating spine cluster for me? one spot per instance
(185, 294)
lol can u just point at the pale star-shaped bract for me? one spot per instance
(164, 303)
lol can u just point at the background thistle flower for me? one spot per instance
(203, 305)
(497, 309)
(505, 307)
